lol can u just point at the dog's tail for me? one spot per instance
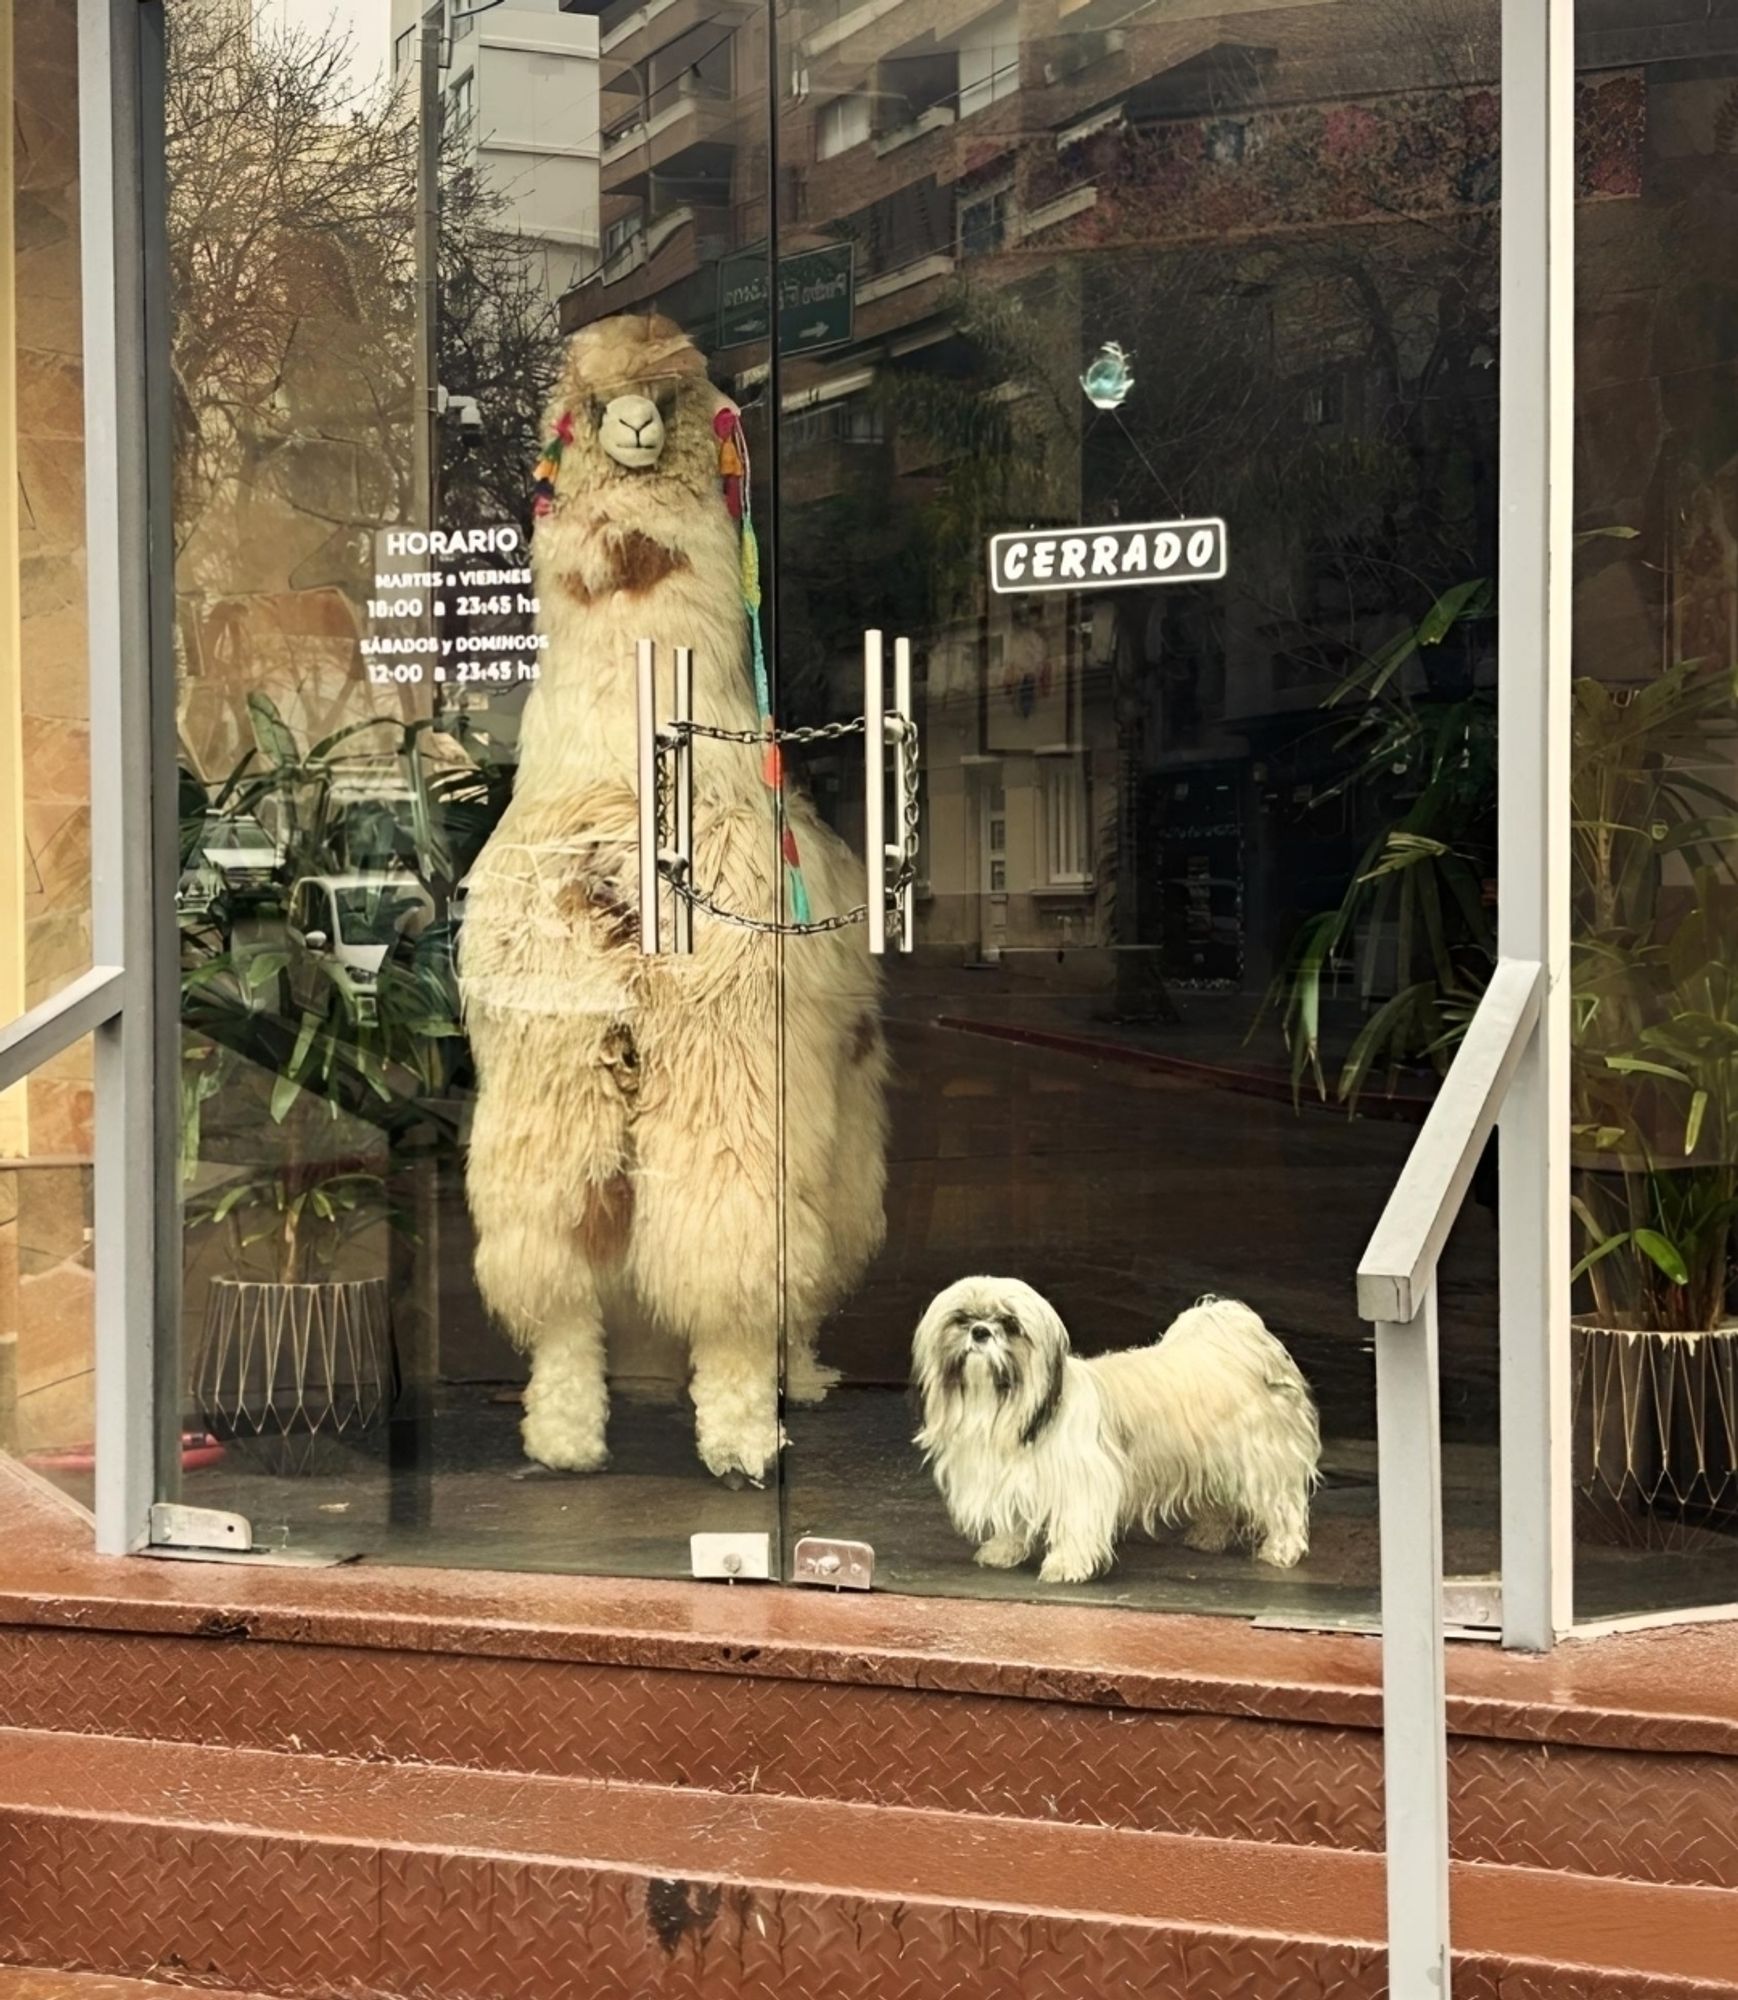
(1242, 1326)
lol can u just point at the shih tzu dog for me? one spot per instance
(1213, 1424)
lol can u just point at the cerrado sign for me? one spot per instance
(1111, 558)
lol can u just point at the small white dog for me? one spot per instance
(1212, 1424)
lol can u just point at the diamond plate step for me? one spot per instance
(1616, 1758)
(309, 1875)
(34, 1982)
(1660, 1817)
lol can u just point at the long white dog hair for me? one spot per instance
(1212, 1424)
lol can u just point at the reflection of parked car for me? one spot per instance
(198, 890)
(339, 932)
(242, 852)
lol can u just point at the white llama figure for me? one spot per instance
(624, 1151)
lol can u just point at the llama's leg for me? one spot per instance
(567, 1400)
(807, 1376)
(1211, 1531)
(735, 1390)
(704, 1259)
(1004, 1551)
(551, 1198)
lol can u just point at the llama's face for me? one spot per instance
(631, 426)
(633, 403)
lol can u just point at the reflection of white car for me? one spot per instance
(197, 891)
(340, 929)
(241, 851)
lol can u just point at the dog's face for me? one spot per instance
(991, 1350)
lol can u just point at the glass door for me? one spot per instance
(1136, 377)
(481, 1219)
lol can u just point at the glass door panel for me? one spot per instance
(1205, 882)
(434, 1301)
(1654, 1138)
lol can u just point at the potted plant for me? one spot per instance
(1654, 1094)
(301, 1350)
(1655, 1097)
(314, 1098)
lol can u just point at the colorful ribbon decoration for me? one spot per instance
(733, 470)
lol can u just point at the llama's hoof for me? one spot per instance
(737, 1468)
(559, 1447)
(808, 1380)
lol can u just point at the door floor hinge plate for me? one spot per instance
(213, 1534)
(834, 1565)
(731, 1558)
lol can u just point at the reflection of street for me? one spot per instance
(1125, 1194)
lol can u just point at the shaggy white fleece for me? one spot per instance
(625, 1152)
(1213, 1424)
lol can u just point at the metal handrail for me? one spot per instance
(1397, 1290)
(65, 1017)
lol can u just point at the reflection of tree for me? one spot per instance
(292, 204)
(499, 341)
(289, 209)
(1297, 247)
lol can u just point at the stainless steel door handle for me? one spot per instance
(904, 782)
(875, 789)
(646, 676)
(682, 774)
(674, 863)
(881, 727)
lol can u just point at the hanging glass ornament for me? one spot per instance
(1108, 378)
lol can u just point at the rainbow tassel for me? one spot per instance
(733, 470)
(548, 467)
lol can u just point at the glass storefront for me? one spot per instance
(1203, 852)
(1112, 398)
(45, 896)
(1655, 805)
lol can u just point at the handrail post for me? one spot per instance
(1414, 1690)
(1536, 489)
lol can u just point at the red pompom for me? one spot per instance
(564, 427)
(724, 423)
(789, 844)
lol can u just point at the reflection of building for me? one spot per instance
(681, 173)
(520, 90)
(1018, 184)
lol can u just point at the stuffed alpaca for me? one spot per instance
(625, 1152)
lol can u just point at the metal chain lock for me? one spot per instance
(672, 867)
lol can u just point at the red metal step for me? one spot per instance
(371, 1782)
(309, 1875)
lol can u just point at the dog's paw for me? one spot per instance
(1003, 1552)
(1211, 1534)
(1284, 1551)
(1069, 1566)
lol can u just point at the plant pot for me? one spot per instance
(291, 1365)
(1655, 1435)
